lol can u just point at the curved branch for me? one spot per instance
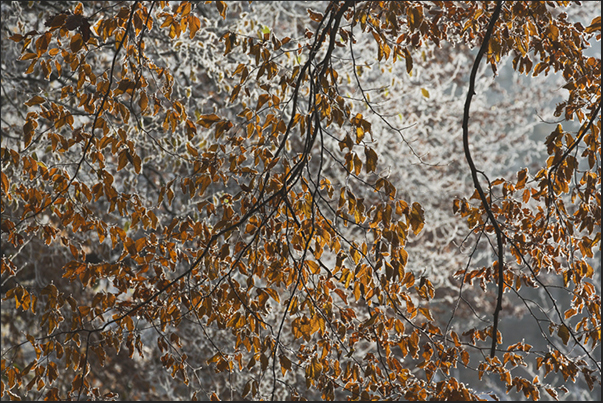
(474, 171)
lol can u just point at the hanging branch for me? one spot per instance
(476, 184)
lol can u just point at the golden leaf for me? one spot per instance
(426, 313)
(417, 218)
(371, 159)
(36, 100)
(208, 120)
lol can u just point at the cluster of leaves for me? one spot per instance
(211, 196)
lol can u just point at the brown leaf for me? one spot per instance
(564, 333)
(36, 100)
(262, 99)
(123, 159)
(595, 25)
(193, 25)
(371, 159)
(76, 43)
(208, 120)
(417, 218)
(56, 21)
(73, 21)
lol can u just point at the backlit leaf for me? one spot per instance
(208, 120)
(36, 100)
(417, 218)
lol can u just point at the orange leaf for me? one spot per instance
(36, 100)
(522, 177)
(42, 43)
(426, 313)
(313, 266)
(221, 5)
(222, 127)
(408, 59)
(4, 184)
(314, 16)
(208, 120)
(193, 25)
(415, 17)
(77, 383)
(595, 25)
(28, 129)
(371, 159)
(417, 218)
(28, 56)
(262, 99)
(285, 363)
(123, 159)
(16, 38)
(465, 357)
(76, 43)
(144, 101)
(140, 243)
(272, 294)
(191, 150)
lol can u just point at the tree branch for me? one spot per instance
(474, 171)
